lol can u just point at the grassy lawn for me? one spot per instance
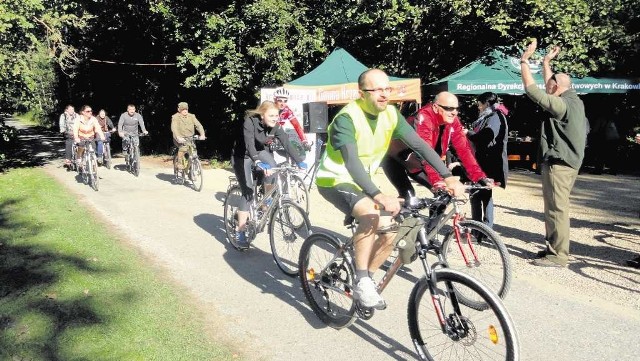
(70, 291)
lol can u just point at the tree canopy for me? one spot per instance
(216, 55)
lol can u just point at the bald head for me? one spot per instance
(367, 74)
(446, 98)
(446, 106)
(558, 83)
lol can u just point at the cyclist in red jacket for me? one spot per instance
(438, 124)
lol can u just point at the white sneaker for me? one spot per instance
(365, 291)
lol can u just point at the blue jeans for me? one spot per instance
(482, 207)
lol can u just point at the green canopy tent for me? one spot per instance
(335, 81)
(500, 73)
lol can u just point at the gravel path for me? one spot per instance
(589, 311)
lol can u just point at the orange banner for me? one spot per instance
(403, 90)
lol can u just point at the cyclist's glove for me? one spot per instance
(263, 166)
(302, 165)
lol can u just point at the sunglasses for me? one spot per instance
(447, 109)
(88, 111)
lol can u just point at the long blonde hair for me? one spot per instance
(262, 108)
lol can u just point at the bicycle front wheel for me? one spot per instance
(299, 193)
(289, 226)
(107, 155)
(93, 171)
(136, 161)
(328, 279)
(487, 258)
(455, 331)
(231, 203)
(86, 166)
(195, 173)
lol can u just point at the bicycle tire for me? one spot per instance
(107, 155)
(93, 171)
(195, 173)
(298, 192)
(289, 226)
(178, 176)
(316, 165)
(328, 280)
(231, 203)
(85, 167)
(136, 161)
(469, 332)
(494, 268)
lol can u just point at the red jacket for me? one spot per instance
(427, 124)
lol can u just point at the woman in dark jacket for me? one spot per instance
(489, 137)
(254, 148)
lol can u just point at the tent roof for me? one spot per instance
(500, 73)
(339, 67)
(336, 78)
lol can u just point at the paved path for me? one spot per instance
(569, 314)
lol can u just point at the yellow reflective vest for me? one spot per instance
(372, 146)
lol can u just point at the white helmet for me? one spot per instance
(281, 93)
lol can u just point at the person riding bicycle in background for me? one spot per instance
(437, 124)
(254, 147)
(66, 121)
(280, 98)
(359, 138)
(184, 125)
(128, 125)
(87, 127)
(105, 124)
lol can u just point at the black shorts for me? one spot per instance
(343, 196)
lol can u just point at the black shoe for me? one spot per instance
(635, 263)
(541, 254)
(545, 262)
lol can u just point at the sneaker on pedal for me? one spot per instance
(241, 239)
(365, 291)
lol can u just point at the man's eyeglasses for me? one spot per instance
(447, 109)
(279, 100)
(87, 111)
(379, 90)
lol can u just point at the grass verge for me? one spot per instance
(70, 291)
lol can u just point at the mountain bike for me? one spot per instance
(288, 222)
(451, 315)
(191, 167)
(467, 245)
(89, 163)
(132, 156)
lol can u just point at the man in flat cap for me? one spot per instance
(184, 125)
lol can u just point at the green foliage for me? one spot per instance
(33, 42)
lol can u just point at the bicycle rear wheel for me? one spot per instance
(289, 226)
(231, 203)
(93, 171)
(328, 279)
(468, 334)
(492, 267)
(195, 174)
